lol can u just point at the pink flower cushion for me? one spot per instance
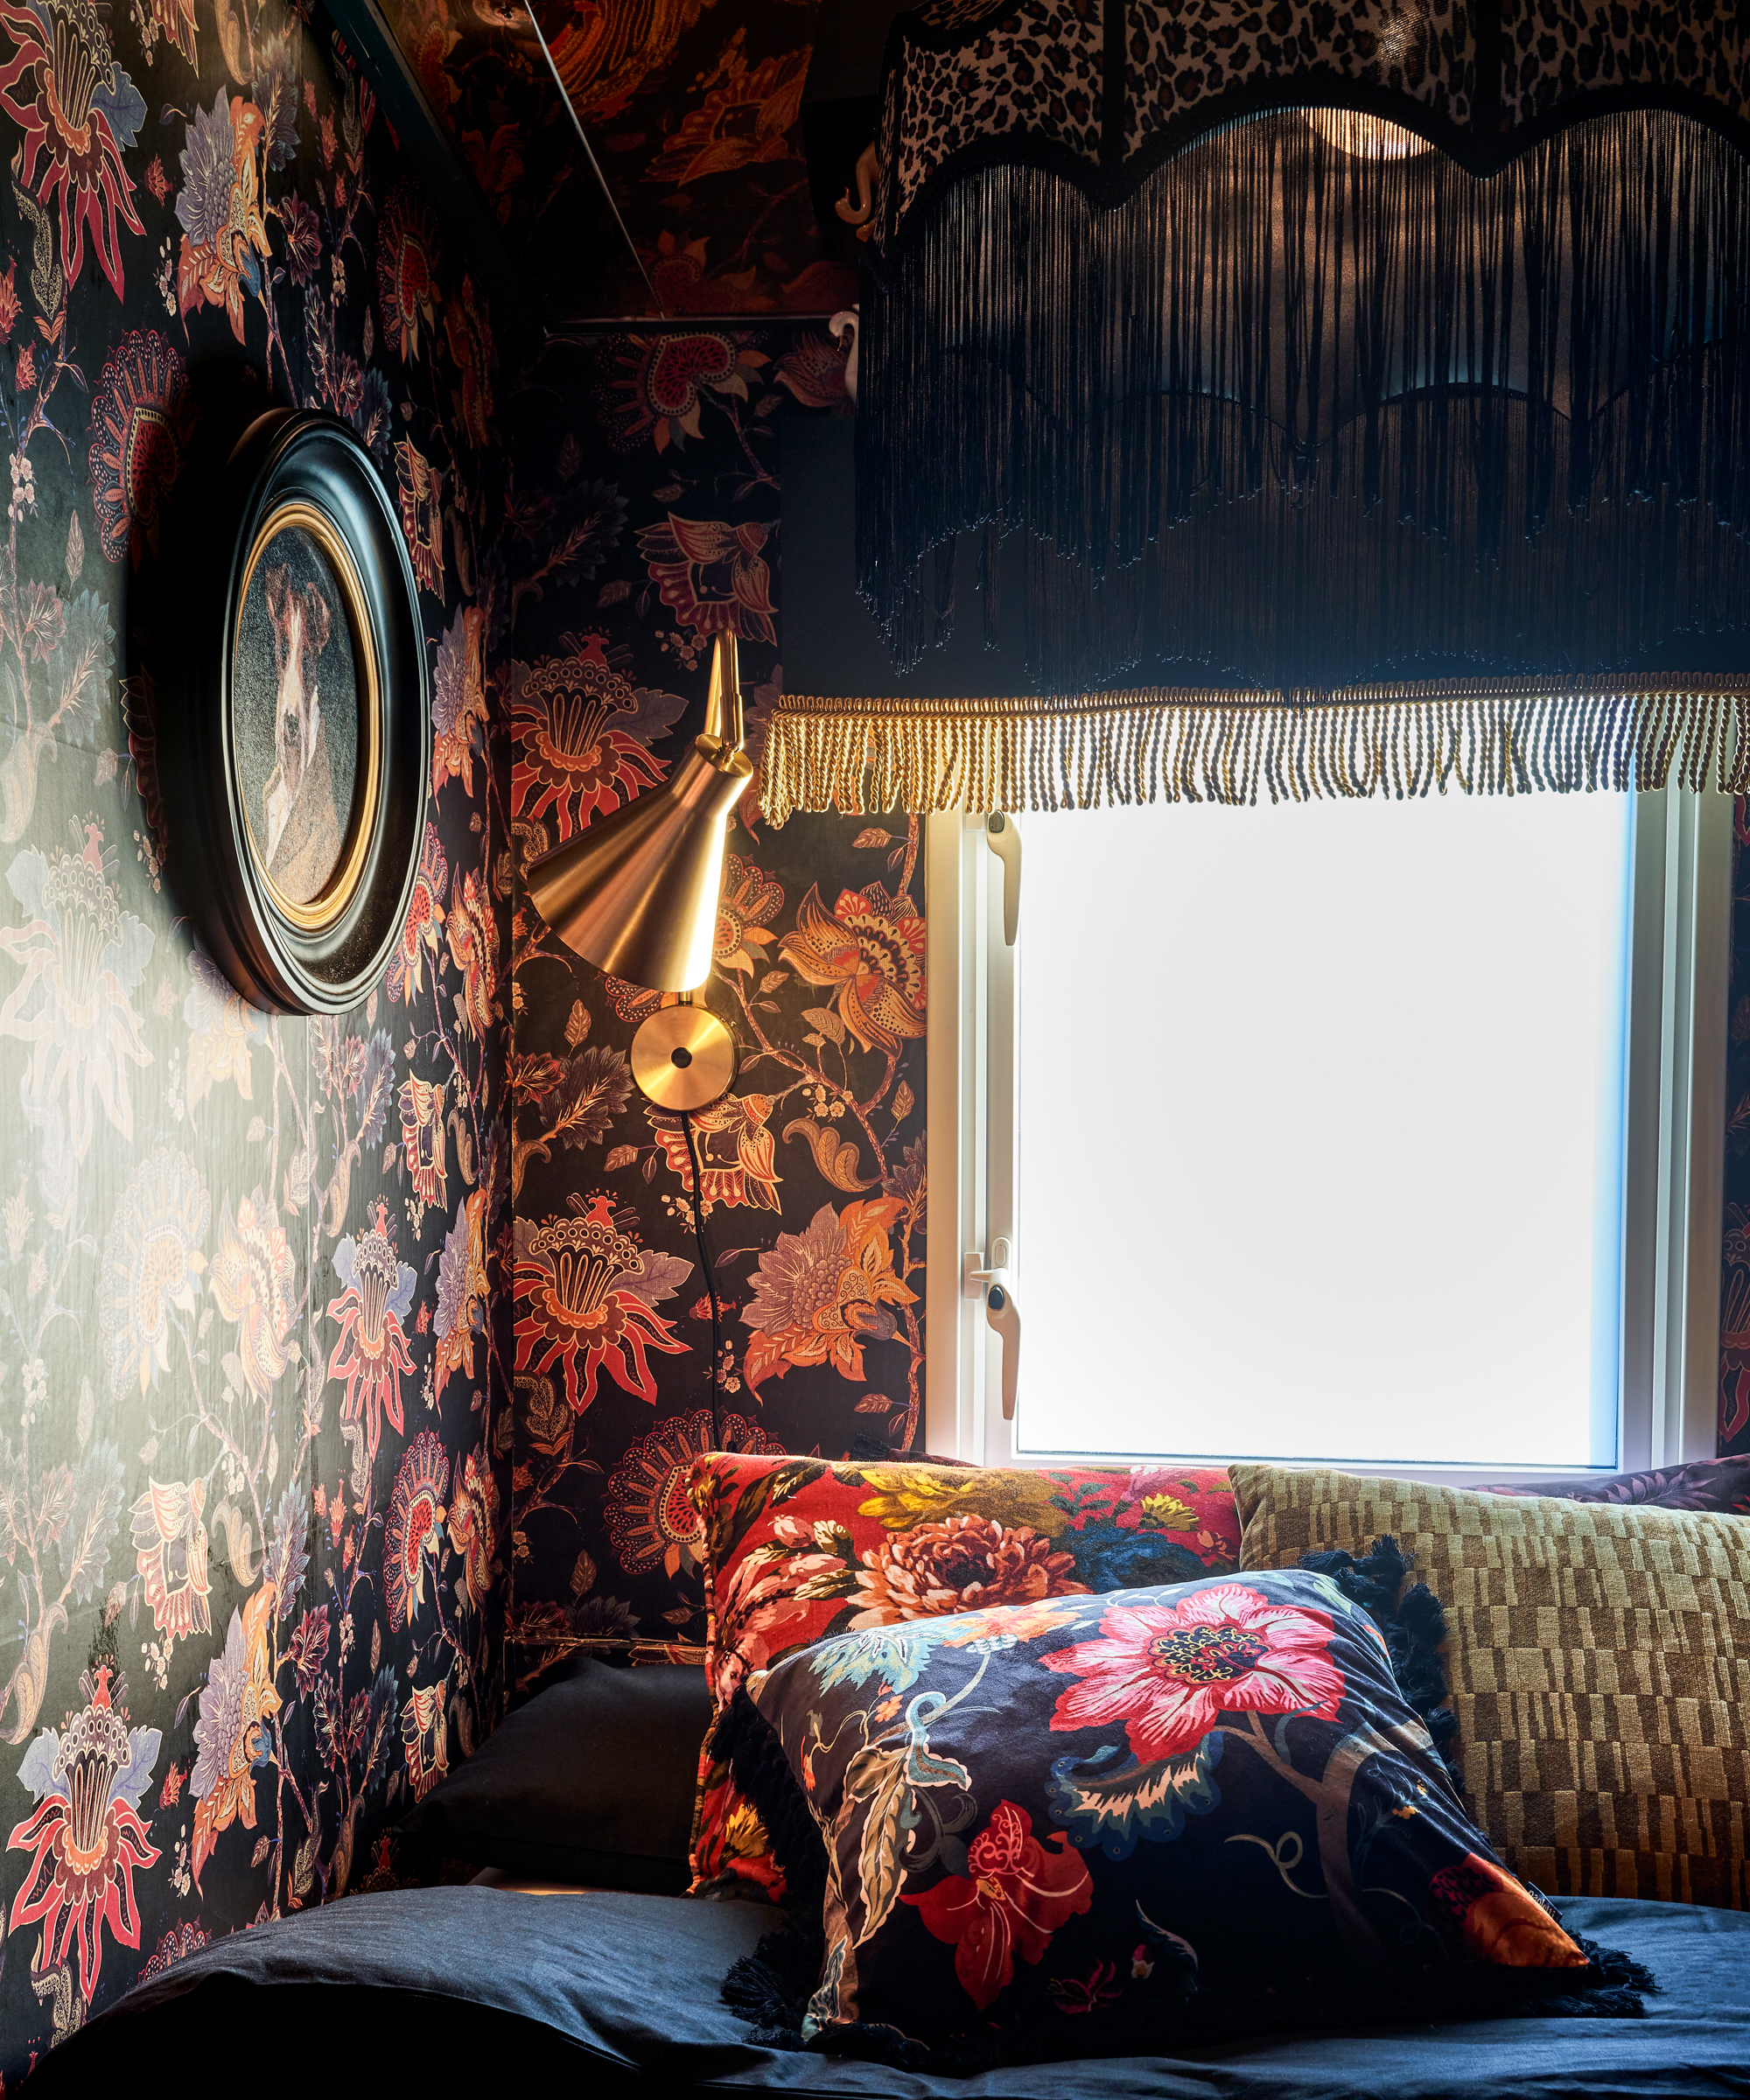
(799, 1549)
(1074, 1826)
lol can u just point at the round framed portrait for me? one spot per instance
(307, 742)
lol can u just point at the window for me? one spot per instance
(1381, 1133)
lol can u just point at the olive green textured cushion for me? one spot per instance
(1599, 1661)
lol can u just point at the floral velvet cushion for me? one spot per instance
(797, 1549)
(1071, 1827)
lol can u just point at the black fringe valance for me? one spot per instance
(1314, 407)
(1104, 91)
(1084, 751)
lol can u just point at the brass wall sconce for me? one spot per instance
(637, 895)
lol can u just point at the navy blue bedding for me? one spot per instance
(623, 1990)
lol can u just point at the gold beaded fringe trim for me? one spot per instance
(1480, 736)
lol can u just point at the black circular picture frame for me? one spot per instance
(296, 753)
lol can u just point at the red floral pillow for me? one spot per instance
(800, 1549)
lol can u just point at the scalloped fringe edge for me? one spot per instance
(1480, 737)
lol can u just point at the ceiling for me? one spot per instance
(670, 177)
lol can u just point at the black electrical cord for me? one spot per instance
(711, 1285)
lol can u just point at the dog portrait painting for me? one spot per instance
(296, 715)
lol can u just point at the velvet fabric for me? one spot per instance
(590, 1781)
(797, 1549)
(1060, 1829)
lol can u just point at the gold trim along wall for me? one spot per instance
(1480, 736)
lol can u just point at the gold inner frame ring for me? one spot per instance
(337, 892)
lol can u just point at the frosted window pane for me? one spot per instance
(1321, 1129)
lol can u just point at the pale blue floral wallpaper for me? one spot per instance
(254, 1457)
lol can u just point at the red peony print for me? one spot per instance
(574, 758)
(1016, 1895)
(959, 1563)
(473, 1525)
(415, 1524)
(1167, 1672)
(651, 1516)
(141, 420)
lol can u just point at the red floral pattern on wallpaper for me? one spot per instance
(254, 1447)
(644, 526)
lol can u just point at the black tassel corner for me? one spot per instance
(1414, 1627)
(748, 1745)
(771, 1988)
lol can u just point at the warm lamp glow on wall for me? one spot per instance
(637, 895)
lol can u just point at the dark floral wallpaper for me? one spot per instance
(644, 519)
(252, 1496)
(332, 1354)
(693, 109)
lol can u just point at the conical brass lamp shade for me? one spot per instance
(636, 894)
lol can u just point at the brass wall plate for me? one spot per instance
(683, 1057)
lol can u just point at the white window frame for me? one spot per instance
(1673, 1164)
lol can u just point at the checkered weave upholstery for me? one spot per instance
(1599, 1660)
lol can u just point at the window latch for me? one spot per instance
(1001, 1313)
(1003, 835)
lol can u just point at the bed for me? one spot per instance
(620, 1993)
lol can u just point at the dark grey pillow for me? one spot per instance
(591, 1781)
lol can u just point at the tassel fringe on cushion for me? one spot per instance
(771, 1988)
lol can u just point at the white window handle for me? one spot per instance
(1003, 835)
(1002, 1314)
